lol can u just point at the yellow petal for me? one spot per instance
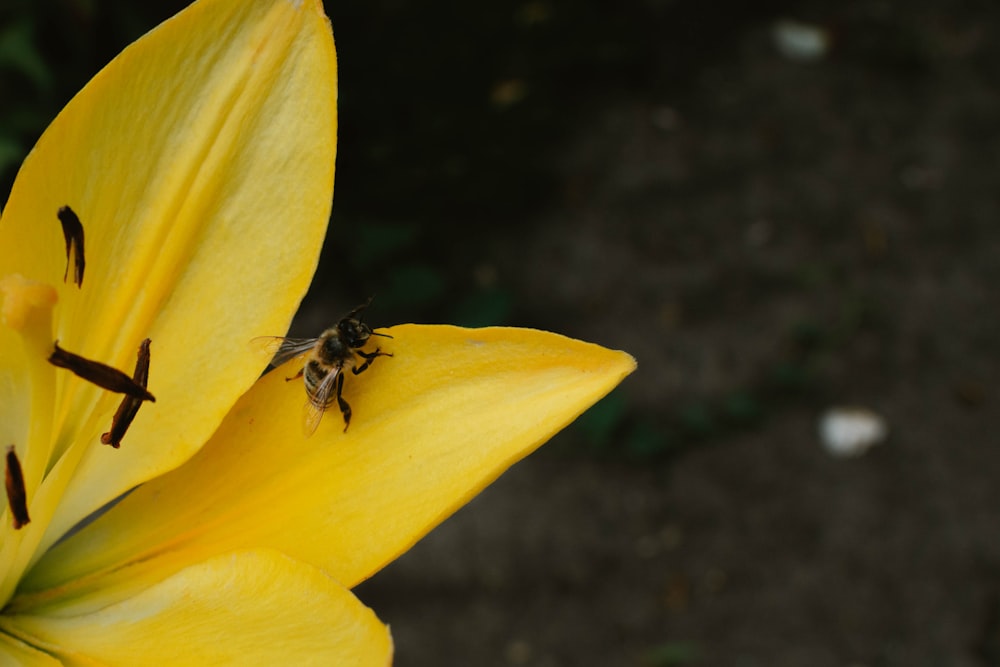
(16, 652)
(247, 608)
(200, 162)
(432, 426)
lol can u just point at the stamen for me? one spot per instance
(73, 231)
(102, 375)
(129, 407)
(17, 497)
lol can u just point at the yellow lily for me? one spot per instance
(200, 165)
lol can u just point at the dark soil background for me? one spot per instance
(769, 236)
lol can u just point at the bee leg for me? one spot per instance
(369, 357)
(345, 409)
(297, 375)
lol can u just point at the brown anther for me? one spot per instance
(102, 375)
(73, 231)
(129, 407)
(17, 497)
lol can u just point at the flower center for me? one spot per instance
(42, 455)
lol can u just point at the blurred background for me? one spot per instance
(779, 207)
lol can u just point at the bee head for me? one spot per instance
(353, 332)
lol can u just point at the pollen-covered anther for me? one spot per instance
(17, 496)
(73, 232)
(104, 376)
(129, 406)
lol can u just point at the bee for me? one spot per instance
(326, 360)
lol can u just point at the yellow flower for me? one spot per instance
(200, 165)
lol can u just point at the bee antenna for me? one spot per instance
(375, 333)
(363, 308)
(357, 312)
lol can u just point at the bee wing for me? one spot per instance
(317, 404)
(311, 416)
(282, 349)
